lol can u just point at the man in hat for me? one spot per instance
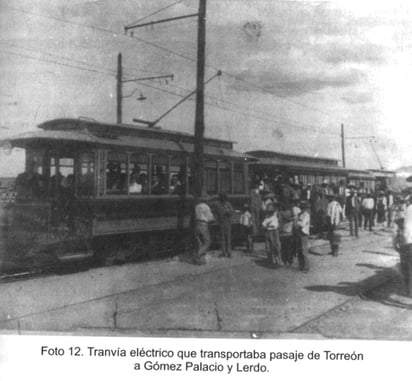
(381, 207)
(247, 225)
(224, 214)
(203, 216)
(352, 207)
(405, 247)
(333, 219)
(302, 231)
(255, 207)
(271, 226)
(368, 204)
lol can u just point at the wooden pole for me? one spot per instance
(119, 89)
(199, 116)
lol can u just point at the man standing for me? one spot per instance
(352, 211)
(381, 208)
(271, 226)
(368, 204)
(406, 250)
(390, 207)
(255, 207)
(203, 216)
(303, 228)
(224, 213)
(334, 212)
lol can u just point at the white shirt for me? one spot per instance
(271, 223)
(368, 203)
(246, 219)
(304, 222)
(135, 188)
(334, 211)
(203, 213)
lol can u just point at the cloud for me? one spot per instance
(358, 53)
(357, 98)
(295, 81)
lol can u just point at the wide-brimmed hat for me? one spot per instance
(304, 204)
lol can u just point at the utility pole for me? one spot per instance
(119, 86)
(200, 84)
(199, 116)
(342, 136)
(119, 95)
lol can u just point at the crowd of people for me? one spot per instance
(286, 227)
(286, 217)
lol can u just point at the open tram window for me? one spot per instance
(239, 178)
(211, 176)
(159, 173)
(116, 176)
(86, 174)
(138, 174)
(225, 177)
(31, 183)
(177, 176)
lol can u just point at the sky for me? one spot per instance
(293, 72)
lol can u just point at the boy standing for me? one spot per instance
(247, 224)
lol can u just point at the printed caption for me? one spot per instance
(222, 361)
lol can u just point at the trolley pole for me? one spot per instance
(119, 89)
(342, 136)
(199, 115)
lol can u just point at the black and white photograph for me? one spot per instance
(210, 169)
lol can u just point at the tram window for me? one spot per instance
(225, 177)
(239, 178)
(34, 161)
(86, 174)
(211, 176)
(138, 174)
(159, 174)
(116, 173)
(66, 173)
(177, 180)
(32, 182)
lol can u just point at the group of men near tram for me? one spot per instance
(287, 221)
(287, 225)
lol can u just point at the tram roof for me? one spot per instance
(261, 154)
(297, 161)
(111, 130)
(360, 174)
(123, 141)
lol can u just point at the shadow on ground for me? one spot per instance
(381, 275)
(391, 294)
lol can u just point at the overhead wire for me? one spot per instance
(54, 62)
(236, 77)
(110, 73)
(278, 123)
(154, 13)
(170, 51)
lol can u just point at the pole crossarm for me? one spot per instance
(171, 76)
(128, 27)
